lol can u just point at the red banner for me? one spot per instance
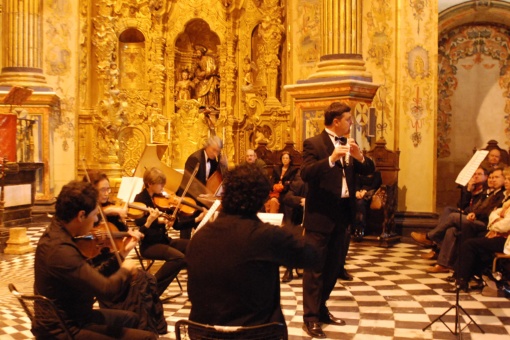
(8, 136)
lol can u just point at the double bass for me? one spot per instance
(214, 181)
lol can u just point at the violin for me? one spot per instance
(90, 245)
(136, 210)
(188, 206)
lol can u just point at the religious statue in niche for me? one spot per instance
(249, 68)
(207, 79)
(184, 87)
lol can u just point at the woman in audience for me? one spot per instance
(283, 174)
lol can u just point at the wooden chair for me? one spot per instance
(186, 329)
(387, 163)
(41, 309)
(497, 257)
(272, 157)
(493, 144)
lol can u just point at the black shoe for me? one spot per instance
(314, 329)
(287, 277)
(344, 275)
(330, 319)
(462, 286)
(451, 278)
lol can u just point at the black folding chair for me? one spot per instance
(189, 330)
(40, 309)
(147, 267)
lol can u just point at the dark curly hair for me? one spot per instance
(246, 188)
(75, 196)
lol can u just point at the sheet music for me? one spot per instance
(270, 218)
(209, 214)
(470, 168)
(129, 187)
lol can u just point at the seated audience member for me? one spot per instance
(63, 275)
(251, 158)
(233, 262)
(493, 160)
(366, 186)
(472, 195)
(293, 205)
(283, 174)
(156, 243)
(477, 252)
(471, 224)
(149, 310)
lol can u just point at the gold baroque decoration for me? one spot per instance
(58, 64)
(379, 51)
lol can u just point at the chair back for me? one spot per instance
(41, 309)
(186, 329)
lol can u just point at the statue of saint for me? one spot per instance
(207, 80)
(183, 87)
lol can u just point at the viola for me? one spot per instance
(90, 245)
(188, 206)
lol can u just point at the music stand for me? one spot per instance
(462, 180)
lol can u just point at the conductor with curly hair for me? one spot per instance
(233, 262)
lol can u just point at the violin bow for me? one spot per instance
(178, 205)
(108, 231)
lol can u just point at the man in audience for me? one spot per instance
(251, 158)
(472, 194)
(476, 220)
(477, 252)
(493, 160)
(233, 262)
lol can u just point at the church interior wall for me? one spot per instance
(82, 42)
(473, 89)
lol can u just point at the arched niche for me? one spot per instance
(132, 59)
(196, 40)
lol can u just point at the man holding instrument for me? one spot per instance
(141, 296)
(211, 165)
(63, 275)
(330, 163)
(157, 244)
(233, 262)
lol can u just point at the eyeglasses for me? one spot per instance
(105, 190)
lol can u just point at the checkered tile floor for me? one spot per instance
(391, 297)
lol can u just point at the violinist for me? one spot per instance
(114, 214)
(156, 244)
(63, 275)
(143, 283)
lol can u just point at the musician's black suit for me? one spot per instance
(327, 216)
(200, 158)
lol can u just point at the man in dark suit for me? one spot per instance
(233, 262)
(330, 163)
(209, 161)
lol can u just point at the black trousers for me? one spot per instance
(173, 255)
(107, 324)
(319, 281)
(476, 254)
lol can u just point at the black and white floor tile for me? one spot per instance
(391, 297)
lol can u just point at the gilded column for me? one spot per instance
(22, 44)
(341, 32)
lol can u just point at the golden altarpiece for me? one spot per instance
(148, 69)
